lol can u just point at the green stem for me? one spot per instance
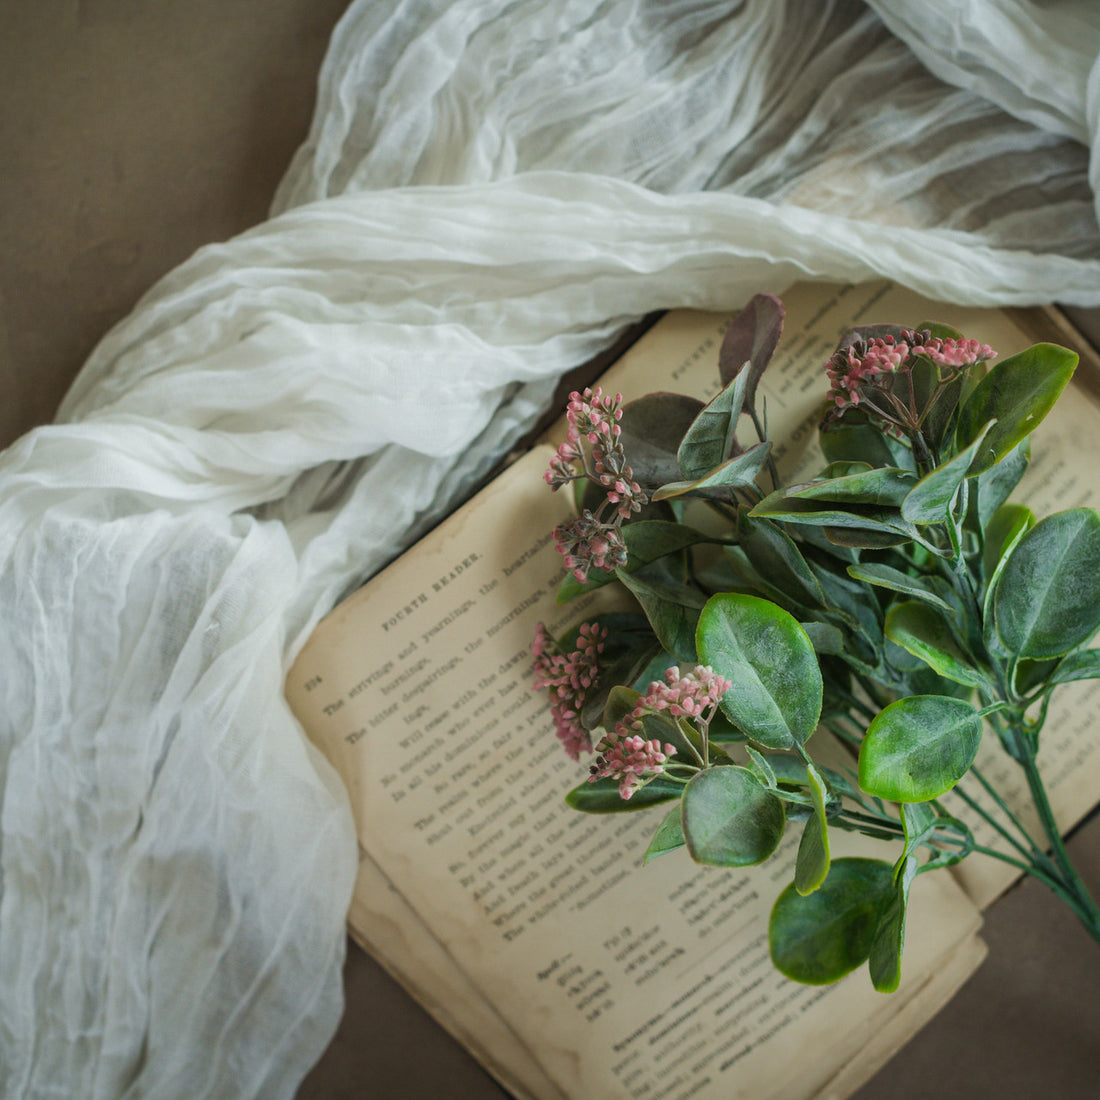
(1087, 909)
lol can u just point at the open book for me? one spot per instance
(531, 931)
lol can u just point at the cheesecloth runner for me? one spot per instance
(490, 190)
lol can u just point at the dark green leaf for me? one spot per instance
(887, 486)
(765, 654)
(884, 576)
(918, 748)
(930, 499)
(812, 863)
(652, 428)
(712, 437)
(884, 963)
(672, 610)
(824, 637)
(820, 513)
(1084, 665)
(720, 482)
(668, 837)
(776, 558)
(921, 630)
(819, 938)
(730, 819)
(864, 540)
(991, 489)
(854, 441)
(645, 542)
(602, 796)
(1017, 393)
(1047, 600)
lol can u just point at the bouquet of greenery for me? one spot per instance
(898, 599)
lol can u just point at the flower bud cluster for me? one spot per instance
(852, 367)
(626, 754)
(585, 543)
(568, 676)
(956, 353)
(591, 542)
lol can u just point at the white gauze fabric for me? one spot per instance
(489, 192)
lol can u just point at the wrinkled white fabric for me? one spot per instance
(491, 189)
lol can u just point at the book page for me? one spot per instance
(390, 930)
(620, 980)
(418, 689)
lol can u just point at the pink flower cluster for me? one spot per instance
(686, 696)
(861, 362)
(626, 755)
(568, 677)
(590, 542)
(853, 366)
(956, 353)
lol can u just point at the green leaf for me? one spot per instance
(918, 748)
(1084, 665)
(930, 499)
(668, 837)
(672, 610)
(645, 542)
(884, 963)
(751, 338)
(712, 437)
(922, 631)
(1047, 600)
(763, 769)
(652, 428)
(824, 637)
(822, 513)
(884, 576)
(812, 863)
(991, 489)
(602, 796)
(1003, 531)
(939, 330)
(854, 441)
(776, 694)
(730, 819)
(718, 483)
(887, 486)
(775, 557)
(819, 938)
(1017, 393)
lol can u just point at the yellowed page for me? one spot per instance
(390, 930)
(622, 981)
(451, 635)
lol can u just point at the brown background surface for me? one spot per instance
(134, 131)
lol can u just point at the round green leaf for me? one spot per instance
(820, 937)
(730, 819)
(1048, 597)
(919, 747)
(1017, 392)
(766, 655)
